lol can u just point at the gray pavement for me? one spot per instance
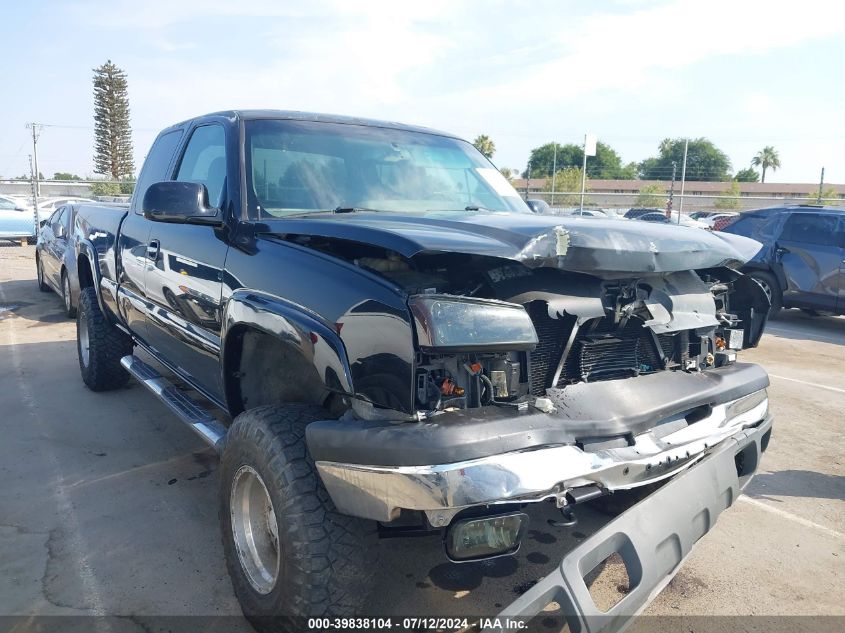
(109, 505)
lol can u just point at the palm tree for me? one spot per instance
(485, 145)
(766, 158)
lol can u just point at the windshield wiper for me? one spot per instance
(354, 210)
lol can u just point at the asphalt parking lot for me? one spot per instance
(109, 505)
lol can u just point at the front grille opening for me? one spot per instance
(600, 350)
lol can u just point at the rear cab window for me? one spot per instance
(156, 166)
(204, 161)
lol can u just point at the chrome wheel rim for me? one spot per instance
(84, 343)
(254, 529)
(766, 288)
(66, 292)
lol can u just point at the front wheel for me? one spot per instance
(772, 289)
(289, 552)
(100, 346)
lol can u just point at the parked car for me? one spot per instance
(402, 347)
(55, 262)
(539, 206)
(802, 261)
(636, 212)
(719, 224)
(652, 216)
(723, 219)
(16, 221)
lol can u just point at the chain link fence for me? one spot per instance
(687, 203)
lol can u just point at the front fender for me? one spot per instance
(298, 330)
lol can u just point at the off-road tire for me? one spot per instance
(39, 269)
(328, 560)
(772, 288)
(67, 297)
(106, 346)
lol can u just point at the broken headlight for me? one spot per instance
(446, 323)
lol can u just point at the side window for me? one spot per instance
(810, 228)
(7, 205)
(155, 166)
(204, 161)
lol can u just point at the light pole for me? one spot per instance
(683, 179)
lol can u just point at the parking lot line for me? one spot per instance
(811, 384)
(792, 517)
(803, 334)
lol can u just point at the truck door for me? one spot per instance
(133, 241)
(810, 256)
(184, 279)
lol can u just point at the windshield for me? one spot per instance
(296, 167)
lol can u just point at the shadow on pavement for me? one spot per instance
(799, 326)
(797, 483)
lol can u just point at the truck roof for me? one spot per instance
(296, 115)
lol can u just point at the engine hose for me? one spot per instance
(490, 391)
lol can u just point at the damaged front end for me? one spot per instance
(588, 358)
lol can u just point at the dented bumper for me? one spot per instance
(653, 538)
(547, 471)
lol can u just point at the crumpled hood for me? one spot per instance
(574, 244)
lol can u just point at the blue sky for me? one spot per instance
(744, 74)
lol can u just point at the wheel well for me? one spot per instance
(83, 269)
(261, 369)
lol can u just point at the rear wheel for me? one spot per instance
(289, 552)
(772, 289)
(39, 268)
(70, 310)
(100, 346)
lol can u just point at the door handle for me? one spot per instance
(152, 250)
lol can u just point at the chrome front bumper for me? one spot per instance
(527, 476)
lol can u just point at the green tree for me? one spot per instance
(105, 189)
(705, 161)
(485, 145)
(112, 133)
(605, 164)
(830, 192)
(568, 180)
(127, 187)
(747, 175)
(766, 158)
(65, 175)
(509, 173)
(652, 195)
(732, 202)
(629, 171)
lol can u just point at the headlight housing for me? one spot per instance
(446, 323)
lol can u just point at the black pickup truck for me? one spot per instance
(397, 341)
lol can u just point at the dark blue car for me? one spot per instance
(802, 262)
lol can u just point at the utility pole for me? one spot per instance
(36, 131)
(554, 172)
(683, 179)
(821, 186)
(672, 194)
(32, 182)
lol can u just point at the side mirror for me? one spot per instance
(185, 202)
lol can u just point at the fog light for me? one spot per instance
(485, 537)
